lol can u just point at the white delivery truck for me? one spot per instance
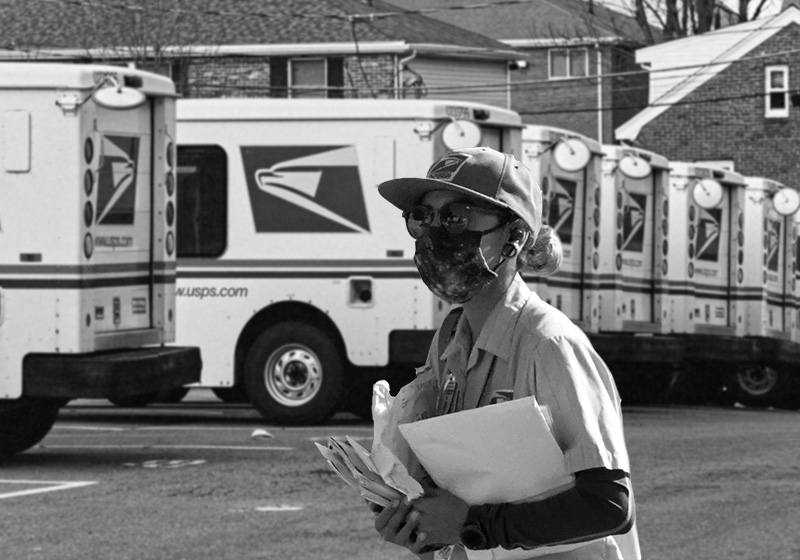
(87, 242)
(295, 277)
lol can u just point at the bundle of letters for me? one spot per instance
(355, 466)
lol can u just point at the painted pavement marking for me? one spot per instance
(46, 486)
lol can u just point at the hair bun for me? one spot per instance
(547, 253)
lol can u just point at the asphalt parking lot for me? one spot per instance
(207, 480)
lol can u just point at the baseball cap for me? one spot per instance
(480, 173)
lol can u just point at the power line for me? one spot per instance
(648, 105)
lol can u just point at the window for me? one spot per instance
(202, 201)
(567, 63)
(306, 77)
(777, 92)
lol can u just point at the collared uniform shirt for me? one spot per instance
(528, 348)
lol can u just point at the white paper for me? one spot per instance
(390, 453)
(493, 454)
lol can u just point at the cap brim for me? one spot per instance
(405, 193)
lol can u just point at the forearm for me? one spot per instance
(597, 506)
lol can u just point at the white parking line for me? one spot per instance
(279, 508)
(88, 428)
(49, 486)
(146, 446)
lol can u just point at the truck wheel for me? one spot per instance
(294, 374)
(761, 386)
(24, 422)
(173, 395)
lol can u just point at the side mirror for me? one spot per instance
(118, 97)
(786, 201)
(571, 154)
(461, 134)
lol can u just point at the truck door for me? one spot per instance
(709, 261)
(123, 219)
(775, 235)
(635, 235)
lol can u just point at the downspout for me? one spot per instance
(401, 65)
(599, 93)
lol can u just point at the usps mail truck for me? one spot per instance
(295, 277)
(87, 242)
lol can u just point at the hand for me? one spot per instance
(442, 516)
(397, 524)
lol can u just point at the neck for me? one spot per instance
(478, 309)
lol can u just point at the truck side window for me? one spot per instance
(202, 201)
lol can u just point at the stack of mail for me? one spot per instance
(355, 466)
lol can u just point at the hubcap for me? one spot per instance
(757, 381)
(293, 375)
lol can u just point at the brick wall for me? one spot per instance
(380, 77)
(250, 77)
(573, 104)
(724, 119)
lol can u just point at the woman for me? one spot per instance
(477, 221)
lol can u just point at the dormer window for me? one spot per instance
(776, 92)
(567, 63)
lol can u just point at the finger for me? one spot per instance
(420, 541)
(390, 520)
(404, 535)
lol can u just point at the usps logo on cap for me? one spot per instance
(448, 167)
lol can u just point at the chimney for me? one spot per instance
(787, 3)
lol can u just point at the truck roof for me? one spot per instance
(43, 75)
(249, 109)
(695, 169)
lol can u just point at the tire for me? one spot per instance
(294, 374)
(232, 395)
(25, 422)
(761, 386)
(173, 395)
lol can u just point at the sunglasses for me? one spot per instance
(454, 218)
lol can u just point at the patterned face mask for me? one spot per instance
(453, 268)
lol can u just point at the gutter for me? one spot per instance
(302, 49)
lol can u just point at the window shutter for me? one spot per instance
(336, 77)
(278, 76)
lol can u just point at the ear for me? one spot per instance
(517, 236)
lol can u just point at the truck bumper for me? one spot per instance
(113, 374)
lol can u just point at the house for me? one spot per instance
(287, 48)
(566, 45)
(728, 97)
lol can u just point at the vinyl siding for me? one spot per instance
(459, 80)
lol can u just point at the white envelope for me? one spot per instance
(498, 453)
(494, 454)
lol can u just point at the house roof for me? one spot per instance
(679, 67)
(536, 22)
(57, 24)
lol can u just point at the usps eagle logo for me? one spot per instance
(305, 189)
(773, 240)
(116, 181)
(447, 167)
(561, 209)
(709, 227)
(633, 223)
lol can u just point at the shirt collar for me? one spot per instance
(495, 336)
